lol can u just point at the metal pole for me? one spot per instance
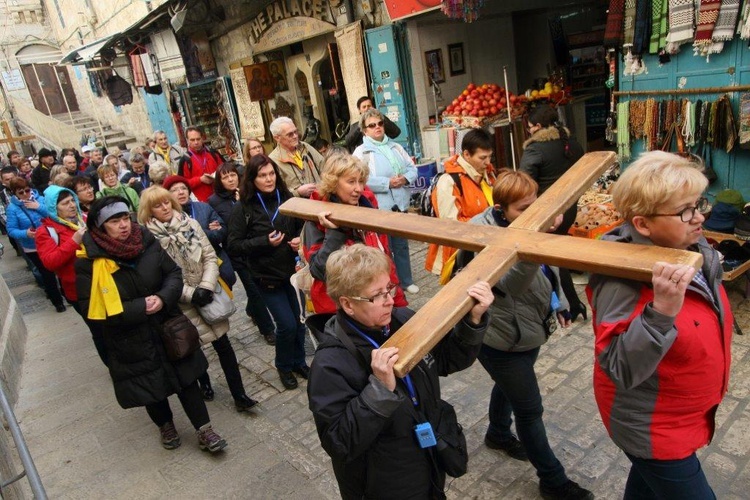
(23, 451)
(65, 99)
(44, 96)
(510, 119)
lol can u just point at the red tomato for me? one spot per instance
(471, 87)
(503, 101)
(464, 113)
(513, 99)
(493, 110)
(482, 113)
(465, 93)
(493, 102)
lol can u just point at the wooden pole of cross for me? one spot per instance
(9, 139)
(498, 249)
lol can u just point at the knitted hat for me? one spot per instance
(175, 179)
(722, 218)
(44, 152)
(732, 197)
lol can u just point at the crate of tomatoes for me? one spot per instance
(478, 105)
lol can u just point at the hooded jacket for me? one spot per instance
(522, 301)
(55, 244)
(20, 218)
(368, 430)
(658, 380)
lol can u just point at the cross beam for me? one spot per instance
(12, 140)
(498, 249)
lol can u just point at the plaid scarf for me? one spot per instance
(680, 24)
(725, 24)
(643, 23)
(613, 32)
(658, 26)
(708, 13)
(123, 250)
(629, 24)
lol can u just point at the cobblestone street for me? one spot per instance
(86, 446)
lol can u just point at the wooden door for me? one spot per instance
(63, 77)
(46, 92)
(37, 97)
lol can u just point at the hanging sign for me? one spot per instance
(13, 79)
(399, 9)
(284, 22)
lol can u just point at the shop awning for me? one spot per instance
(86, 53)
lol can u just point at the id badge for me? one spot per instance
(425, 436)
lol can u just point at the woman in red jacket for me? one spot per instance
(662, 348)
(57, 241)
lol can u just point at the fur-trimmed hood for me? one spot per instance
(548, 134)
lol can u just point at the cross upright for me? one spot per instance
(498, 249)
(9, 139)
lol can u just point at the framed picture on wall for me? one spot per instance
(456, 59)
(259, 82)
(434, 64)
(277, 73)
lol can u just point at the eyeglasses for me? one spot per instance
(291, 134)
(85, 188)
(374, 125)
(379, 297)
(23, 191)
(687, 214)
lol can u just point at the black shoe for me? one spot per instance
(303, 371)
(567, 491)
(578, 310)
(244, 403)
(512, 447)
(270, 338)
(60, 308)
(288, 380)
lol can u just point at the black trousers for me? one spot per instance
(51, 286)
(192, 403)
(228, 361)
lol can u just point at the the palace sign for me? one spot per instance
(284, 22)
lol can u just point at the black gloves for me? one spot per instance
(201, 297)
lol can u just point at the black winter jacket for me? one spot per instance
(249, 227)
(367, 430)
(140, 371)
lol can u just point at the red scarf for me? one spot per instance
(129, 249)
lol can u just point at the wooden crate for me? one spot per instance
(593, 234)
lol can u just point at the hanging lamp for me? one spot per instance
(468, 10)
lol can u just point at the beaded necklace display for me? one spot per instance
(637, 118)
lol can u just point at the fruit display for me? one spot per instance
(479, 104)
(552, 92)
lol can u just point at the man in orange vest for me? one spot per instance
(464, 191)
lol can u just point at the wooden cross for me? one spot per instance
(12, 140)
(498, 249)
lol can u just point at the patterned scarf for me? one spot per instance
(643, 23)
(129, 249)
(629, 24)
(383, 147)
(725, 24)
(743, 28)
(179, 239)
(658, 26)
(708, 13)
(681, 14)
(613, 32)
(745, 120)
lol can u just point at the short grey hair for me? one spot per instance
(138, 158)
(157, 133)
(278, 123)
(370, 113)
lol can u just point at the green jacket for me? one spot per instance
(123, 191)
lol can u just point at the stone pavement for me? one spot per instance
(86, 446)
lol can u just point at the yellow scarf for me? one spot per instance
(487, 191)
(164, 154)
(297, 157)
(105, 298)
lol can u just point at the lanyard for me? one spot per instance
(278, 203)
(406, 379)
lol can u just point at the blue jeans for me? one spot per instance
(290, 332)
(400, 251)
(516, 390)
(255, 307)
(665, 479)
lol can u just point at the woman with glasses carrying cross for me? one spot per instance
(662, 348)
(381, 431)
(268, 242)
(391, 172)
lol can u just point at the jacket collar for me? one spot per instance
(470, 171)
(545, 135)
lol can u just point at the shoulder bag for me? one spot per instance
(219, 309)
(180, 337)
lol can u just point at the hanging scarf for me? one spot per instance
(613, 32)
(725, 24)
(708, 13)
(681, 14)
(628, 26)
(623, 131)
(725, 135)
(743, 27)
(179, 239)
(642, 33)
(659, 15)
(383, 147)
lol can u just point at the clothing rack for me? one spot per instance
(704, 90)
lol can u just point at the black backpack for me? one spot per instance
(425, 205)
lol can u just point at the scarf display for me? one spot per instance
(743, 27)
(623, 131)
(642, 32)
(680, 31)
(613, 31)
(659, 15)
(725, 25)
(179, 238)
(383, 147)
(708, 13)
(628, 27)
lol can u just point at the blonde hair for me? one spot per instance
(104, 169)
(158, 171)
(55, 171)
(337, 166)
(351, 269)
(653, 179)
(370, 113)
(152, 196)
(511, 186)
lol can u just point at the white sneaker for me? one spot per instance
(412, 288)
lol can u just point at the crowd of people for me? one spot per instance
(136, 241)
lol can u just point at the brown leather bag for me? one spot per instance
(180, 337)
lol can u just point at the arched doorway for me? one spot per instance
(49, 86)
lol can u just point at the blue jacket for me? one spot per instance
(381, 172)
(21, 218)
(205, 214)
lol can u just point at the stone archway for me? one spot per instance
(49, 86)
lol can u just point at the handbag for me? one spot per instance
(451, 451)
(219, 309)
(180, 337)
